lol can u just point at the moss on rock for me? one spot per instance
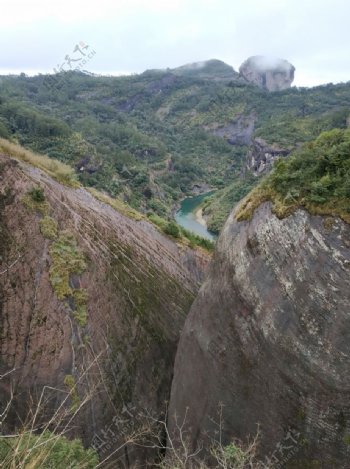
(48, 227)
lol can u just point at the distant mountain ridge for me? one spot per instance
(150, 139)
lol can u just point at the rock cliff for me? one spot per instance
(90, 299)
(269, 338)
(262, 155)
(271, 74)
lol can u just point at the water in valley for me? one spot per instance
(189, 218)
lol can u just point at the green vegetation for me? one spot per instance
(315, 177)
(48, 227)
(147, 139)
(37, 194)
(70, 383)
(195, 240)
(172, 229)
(219, 205)
(179, 233)
(67, 260)
(45, 451)
(80, 303)
(35, 201)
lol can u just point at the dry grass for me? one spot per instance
(117, 204)
(54, 168)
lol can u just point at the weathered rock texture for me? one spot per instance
(139, 286)
(262, 155)
(269, 338)
(271, 74)
(238, 132)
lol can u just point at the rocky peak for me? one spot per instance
(268, 73)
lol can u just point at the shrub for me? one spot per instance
(35, 201)
(316, 177)
(69, 381)
(48, 227)
(172, 229)
(45, 451)
(67, 259)
(37, 194)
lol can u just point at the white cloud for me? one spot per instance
(138, 34)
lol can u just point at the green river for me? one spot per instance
(186, 216)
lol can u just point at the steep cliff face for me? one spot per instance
(269, 338)
(261, 156)
(88, 297)
(271, 74)
(238, 132)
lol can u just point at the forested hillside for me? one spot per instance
(152, 139)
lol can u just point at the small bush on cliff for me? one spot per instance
(69, 381)
(37, 194)
(35, 201)
(80, 310)
(48, 227)
(67, 260)
(316, 177)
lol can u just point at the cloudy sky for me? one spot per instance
(130, 36)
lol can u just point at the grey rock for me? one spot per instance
(262, 155)
(269, 337)
(238, 132)
(268, 73)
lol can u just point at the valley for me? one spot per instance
(174, 269)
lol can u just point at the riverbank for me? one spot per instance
(198, 215)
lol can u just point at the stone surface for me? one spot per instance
(269, 337)
(140, 285)
(238, 132)
(271, 74)
(262, 155)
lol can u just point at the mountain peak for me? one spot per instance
(213, 69)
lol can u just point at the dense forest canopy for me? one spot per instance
(150, 139)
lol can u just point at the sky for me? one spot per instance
(129, 36)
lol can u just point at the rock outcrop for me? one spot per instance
(271, 74)
(261, 156)
(238, 132)
(88, 298)
(269, 338)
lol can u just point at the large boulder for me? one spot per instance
(269, 338)
(268, 73)
(96, 307)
